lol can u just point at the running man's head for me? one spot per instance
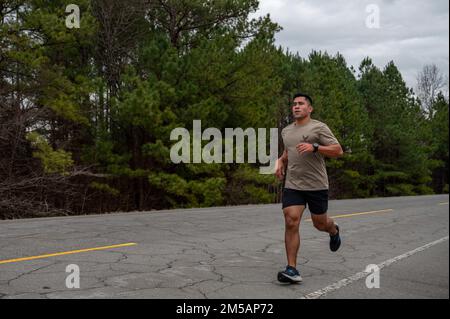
(302, 106)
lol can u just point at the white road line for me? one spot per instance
(358, 276)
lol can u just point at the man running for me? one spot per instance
(306, 144)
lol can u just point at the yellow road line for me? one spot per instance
(358, 214)
(64, 253)
(443, 203)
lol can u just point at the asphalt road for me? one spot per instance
(231, 252)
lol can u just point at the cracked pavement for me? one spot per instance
(228, 252)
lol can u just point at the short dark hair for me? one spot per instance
(305, 96)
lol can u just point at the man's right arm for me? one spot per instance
(284, 157)
(281, 165)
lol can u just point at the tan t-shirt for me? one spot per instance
(307, 172)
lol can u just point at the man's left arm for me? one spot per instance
(332, 151)
(328, 145)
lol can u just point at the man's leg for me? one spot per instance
(292, 216)
(318, 205)
(294, 205)
(324, 223)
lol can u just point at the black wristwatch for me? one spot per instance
(316, 147)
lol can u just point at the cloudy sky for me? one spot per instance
(412, 33)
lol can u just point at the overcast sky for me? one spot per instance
(412, 33)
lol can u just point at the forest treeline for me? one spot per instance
(86, 113)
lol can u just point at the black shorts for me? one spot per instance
(317, 201)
